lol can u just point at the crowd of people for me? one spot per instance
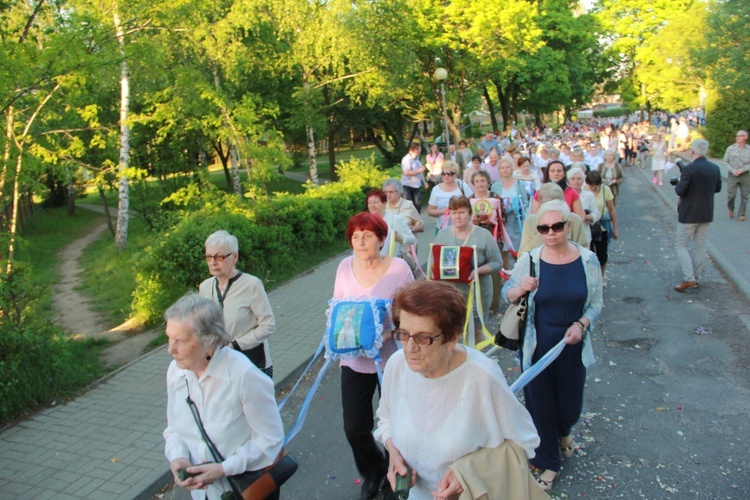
(538, 211)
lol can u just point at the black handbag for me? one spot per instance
(513, 324)
(596, 231)
(254, 484)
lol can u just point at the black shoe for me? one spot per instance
(370, 488)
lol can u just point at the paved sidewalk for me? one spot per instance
(728, 239)
(107, 443)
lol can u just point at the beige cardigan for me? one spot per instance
(248, 315)
(497, 474)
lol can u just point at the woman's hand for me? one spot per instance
(396, 465)
(574, 334)
(528, 284)
(449, 488)
(175, 466)
(206, 474)
(615, 233)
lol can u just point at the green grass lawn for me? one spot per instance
(46, 234)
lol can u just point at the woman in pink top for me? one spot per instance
(556, 173)
(434, 161)
(367, 275)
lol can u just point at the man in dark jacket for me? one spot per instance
(699, 183)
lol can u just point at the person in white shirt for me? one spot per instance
(234, 399)
(399, 235)
(442, 401)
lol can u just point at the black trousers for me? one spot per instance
(357, 390)
(554, 400)
(414, 195)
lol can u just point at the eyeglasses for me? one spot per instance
(556, 227)
(419, 338)
(448, 173)
(390, 192)
(217, 257)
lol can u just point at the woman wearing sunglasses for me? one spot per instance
(442, 401)
(565, 299)
(247, 312)
(442, 193)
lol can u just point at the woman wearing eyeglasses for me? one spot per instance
(565, 299)
(442, 402)
(367, 274)
(247, 312)
(442, 193)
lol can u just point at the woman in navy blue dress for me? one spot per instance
(564, 302)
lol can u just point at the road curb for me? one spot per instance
(722, 262)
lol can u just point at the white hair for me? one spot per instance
(223, 240)
(554, 206)
(699, 147)
(575, 169)
(204, 317)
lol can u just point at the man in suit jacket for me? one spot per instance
(699, 183)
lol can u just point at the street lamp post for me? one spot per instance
(440, 75)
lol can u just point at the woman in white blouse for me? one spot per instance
(235, 401)
(442, 401)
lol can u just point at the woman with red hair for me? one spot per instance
(367, 274)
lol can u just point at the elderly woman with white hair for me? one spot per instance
(576, 179)
(235, 403)
(565, 299)
(397, 205)
(247, 311)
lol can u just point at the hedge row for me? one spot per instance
(726, 113)
(272, 235)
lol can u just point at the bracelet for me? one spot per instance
(580, 323)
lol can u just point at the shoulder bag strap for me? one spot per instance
(197, 416)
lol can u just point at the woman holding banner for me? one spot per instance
(463, 233)
(367, 274)
(565, 300)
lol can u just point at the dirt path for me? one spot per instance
(75, 315)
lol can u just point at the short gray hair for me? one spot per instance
(395, 183)
(699, 147)
(554, 206)
(550, 191)
(575, 168)
(204, 317)
(224, 240)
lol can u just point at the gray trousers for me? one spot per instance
(692, 265)
(743, 183)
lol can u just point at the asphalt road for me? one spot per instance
(666, 404)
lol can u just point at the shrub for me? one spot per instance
(38, 363)
(273, 235)
(610, 113)
(726, 113)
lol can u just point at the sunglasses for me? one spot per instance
(557, 227)
(448, 173)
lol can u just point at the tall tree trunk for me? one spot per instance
(6, 151)
(14, 215)
(106, 210)
(121, 238)
(70, 198)
(235, 159)
(311, 155)
(491, 107)
(332, 151)
(504, 96)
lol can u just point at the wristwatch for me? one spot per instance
(580, 323)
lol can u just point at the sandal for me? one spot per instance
(567, 449)
(547, 484)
